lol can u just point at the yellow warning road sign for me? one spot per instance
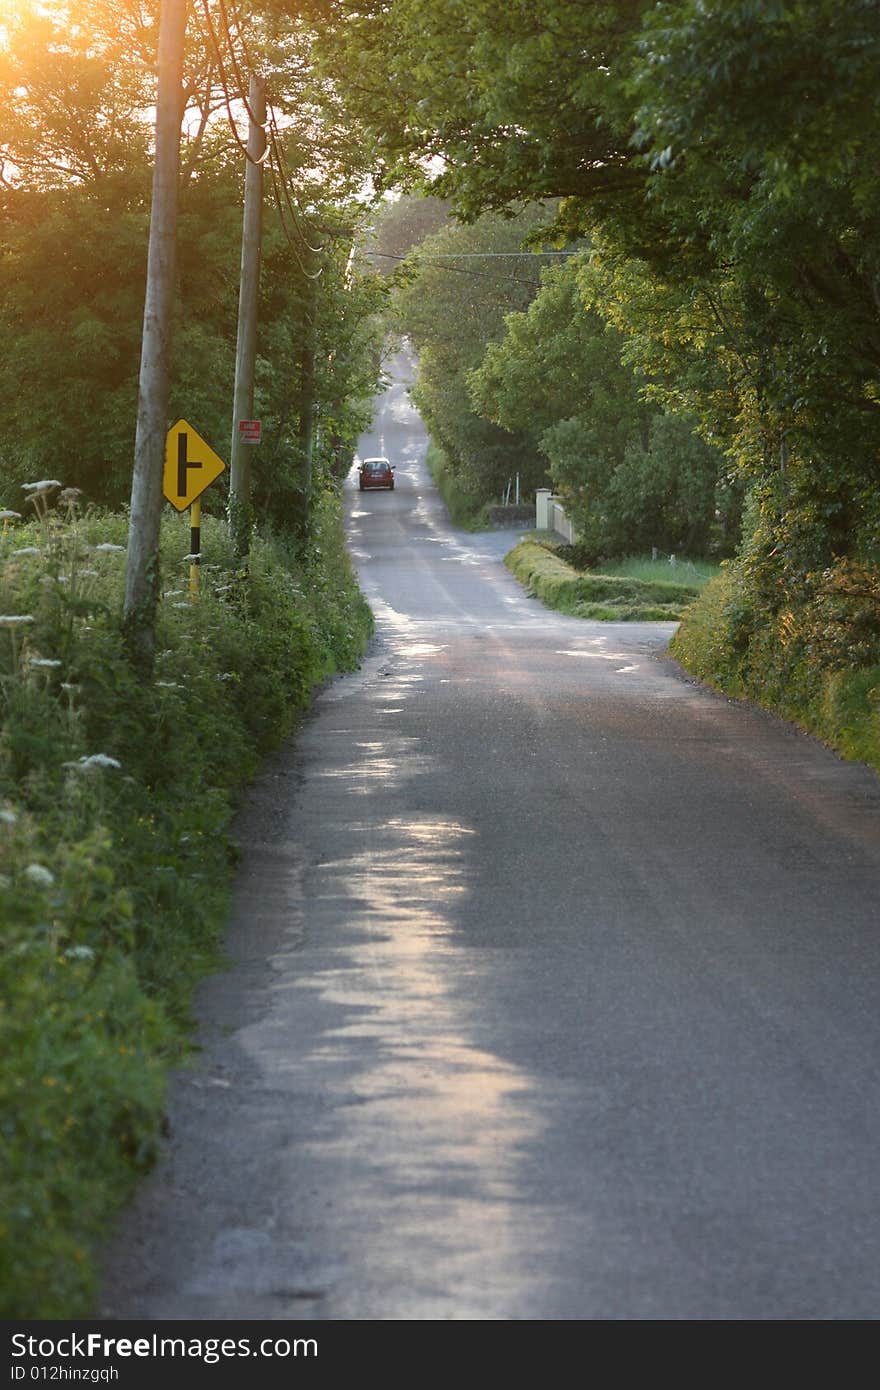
(190, 466)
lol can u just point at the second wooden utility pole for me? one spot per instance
(240, 512)
(142, 568)
(306, 430)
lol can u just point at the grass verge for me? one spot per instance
(603, 597)
(693, 573)
(116, 797)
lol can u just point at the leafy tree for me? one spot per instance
(556, 360)
(71, 292)
(401, 225)
(720, 153)
(77, 83)
(764, 202)
(461, 286)
(509, 102)
(74, 84)
(631, 477)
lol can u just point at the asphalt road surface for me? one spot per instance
(557, 985)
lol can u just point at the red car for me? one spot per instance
(376, 473)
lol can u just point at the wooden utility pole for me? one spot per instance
(240, 515)
(142, 565)
(306, 432)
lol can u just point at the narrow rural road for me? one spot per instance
(556, 989)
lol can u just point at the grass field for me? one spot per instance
(683, 571)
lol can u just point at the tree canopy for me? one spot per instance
(719, 155)
(460, 283)
(633, 477)
(78, 82)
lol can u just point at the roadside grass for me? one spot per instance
(606, 597)
(815, 663)
(683, 571)
(116, 798)
(466, 511)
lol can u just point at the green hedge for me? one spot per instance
(115, 856)
(814, 660)
(598, 596)
(465, 509)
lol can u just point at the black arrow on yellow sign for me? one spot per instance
(183, 463)
(191, 465)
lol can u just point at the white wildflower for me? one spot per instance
(44, 485)
(193, 558)
(7, 515)
(27, 550)
(8, 817)
(99, 760)
(172, 593)
(180, 605)
(107, 547)
(169, 685)
(69, 685)
(44, 661)
(15, 619)
(39, 874)
(79, 953)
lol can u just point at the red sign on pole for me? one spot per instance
(250, 431)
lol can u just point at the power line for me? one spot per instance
(273, 146)
(221, 69)
(235, 64)
(274, 136)
(309, 275)
(475, 255)
(241, 34)
(457, 269)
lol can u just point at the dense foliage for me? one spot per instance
(77, 82)
(115, 804)
(719, 154)
(462, 281)
(632, 476)
(398, 226)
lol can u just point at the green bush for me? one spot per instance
(115, 803)
(814, 658)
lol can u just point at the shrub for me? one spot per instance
(814, 658)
